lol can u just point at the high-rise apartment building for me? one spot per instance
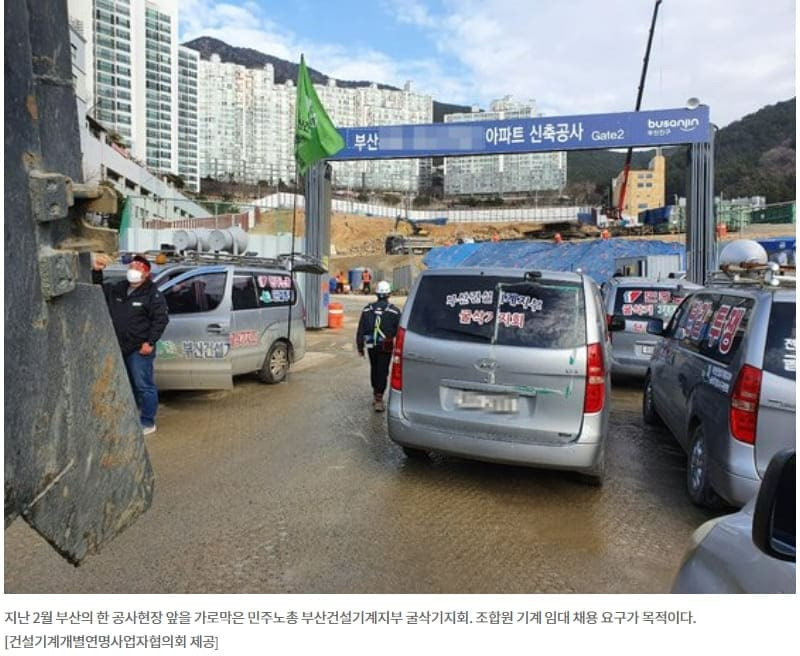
(235, 107)
(247, 126)
(375, 106)
(160, 82)
(188, 123)
(499, 174)
(133, 77)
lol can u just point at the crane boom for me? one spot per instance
(626, 169)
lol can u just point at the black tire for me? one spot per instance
(276, 364)
(698, 483)
(414, 454)
(649, 412)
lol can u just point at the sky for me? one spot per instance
(569, 56)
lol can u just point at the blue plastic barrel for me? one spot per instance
(354, 276)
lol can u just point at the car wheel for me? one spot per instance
(649, 412)
(276, 364)
(414, 454)
(698, 482)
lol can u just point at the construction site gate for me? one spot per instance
(643, 129)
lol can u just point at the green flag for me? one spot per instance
(125, 216)
(124, 224)
(315, 136)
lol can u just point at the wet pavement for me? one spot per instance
(295, 488)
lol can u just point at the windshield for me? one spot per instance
(503, 310)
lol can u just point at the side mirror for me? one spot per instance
(774, 517)
(617, 323)
(655, 326)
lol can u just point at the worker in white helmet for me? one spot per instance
(377, 328)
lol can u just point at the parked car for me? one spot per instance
(753, 550)
(722, 379)
(503, 365)
(227, 320)
(630, 302)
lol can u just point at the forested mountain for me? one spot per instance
(755, 156)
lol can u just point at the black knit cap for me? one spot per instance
(143, 260)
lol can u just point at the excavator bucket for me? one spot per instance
(76, 465)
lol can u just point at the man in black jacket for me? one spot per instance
(376, 331)
(139, 315)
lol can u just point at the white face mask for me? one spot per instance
(135, 276)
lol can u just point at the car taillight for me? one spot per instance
(743, 414)
(595, 379)
(397, 360)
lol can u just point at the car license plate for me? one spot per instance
(500, 403)
(647, 350)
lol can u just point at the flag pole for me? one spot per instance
(293, 283)
(316, 138)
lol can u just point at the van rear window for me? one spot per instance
(713, 325)
(506, 311)
(649, 303)
(780, 354)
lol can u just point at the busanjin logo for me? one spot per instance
(684, 124)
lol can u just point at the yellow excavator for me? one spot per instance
(399, 243)
(416, 230)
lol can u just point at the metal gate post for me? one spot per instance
(701, 244)
(318, 242)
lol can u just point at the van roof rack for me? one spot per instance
(772, 275)
(301, 262)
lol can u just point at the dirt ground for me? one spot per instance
(359, 240)
(296, 488)
(354, 235)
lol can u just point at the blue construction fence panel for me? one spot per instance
(438, 221)
(595, 258)
(656, 215)
(780, 249)
(776, 244)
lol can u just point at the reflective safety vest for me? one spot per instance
(378, 325)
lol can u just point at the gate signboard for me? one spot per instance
(528, 135)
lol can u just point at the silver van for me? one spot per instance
(227, 320)
(503, 365)
(753, 550)
(630, 302)
(722, 379)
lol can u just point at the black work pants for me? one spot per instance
(379, 369)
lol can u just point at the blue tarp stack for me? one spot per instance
(595, 258)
